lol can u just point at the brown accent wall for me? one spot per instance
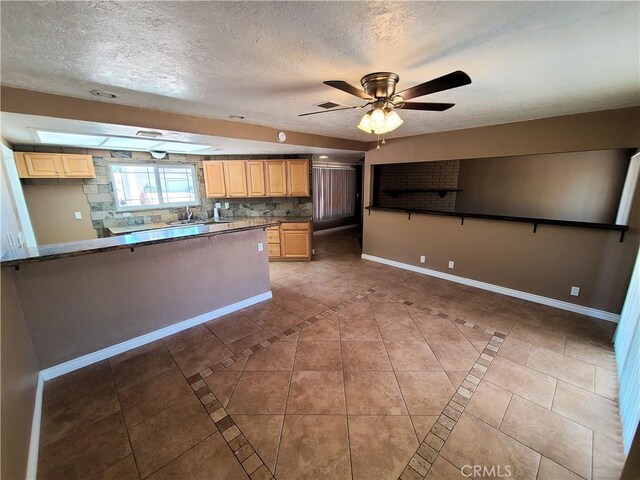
(579, 186)
(51, 209)
(19, 378)
(78, 305)
(546, 263)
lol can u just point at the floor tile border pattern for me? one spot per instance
(428, 451)
(246, 455)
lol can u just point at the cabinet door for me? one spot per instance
(214, 179)
(80, 166)
(276, 178)
(298, 173)
(296, 244)
(42, 165)
(255, 179)
(235, 178)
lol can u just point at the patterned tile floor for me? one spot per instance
(353, 370)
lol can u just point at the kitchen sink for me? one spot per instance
(193, 221)
(186, 222)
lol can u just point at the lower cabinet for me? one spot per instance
(290, 242)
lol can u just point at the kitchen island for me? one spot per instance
(85, 301)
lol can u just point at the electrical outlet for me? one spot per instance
(217, 205)
(126, 214)
(226, 205)
(451, 263)
(575, 291)
(423, 259)
(260, 247)
(78, 215)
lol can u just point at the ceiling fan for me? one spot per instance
(380, 93)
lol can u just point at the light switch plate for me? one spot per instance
(78, 215)
(260, 247)
(423, 259)
(575, 291)
(451, 263)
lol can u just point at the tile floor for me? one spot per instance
(353, 370)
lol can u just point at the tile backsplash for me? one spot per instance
(99, 191)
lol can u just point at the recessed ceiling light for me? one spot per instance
(237, 117)
(103, 94)
(323, 157)
(148, 133)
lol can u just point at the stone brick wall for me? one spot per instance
(99, 190)
(423, 175)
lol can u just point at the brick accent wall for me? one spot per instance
(423, 175)
(99, 190)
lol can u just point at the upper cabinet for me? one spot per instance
(298, 175)
(256, 178)
(235, 179)
(276, 178)
(78, 166)
(214, 179)
(54, 165)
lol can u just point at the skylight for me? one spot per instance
(116, 143)
(70, 139)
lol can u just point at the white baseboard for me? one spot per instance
(531, 297)
(85, 360)
(34, 441)
(337, 229)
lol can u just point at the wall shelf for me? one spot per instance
(505, 218)
(442, 192)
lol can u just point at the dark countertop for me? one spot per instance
(151, 237)
(156, 226)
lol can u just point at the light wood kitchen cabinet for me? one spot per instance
(256, 184)
(256, 178)
(298, 178)
(54, 165)
(276, 178)
(78, 166)
(290, 242)
(214, 179)
(235, 179)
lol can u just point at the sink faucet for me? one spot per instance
(189, 213)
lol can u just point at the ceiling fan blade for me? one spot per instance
(446, 82)
(434, 107)
(348, 88)
(327, 111)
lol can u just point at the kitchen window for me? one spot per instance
(150, 186)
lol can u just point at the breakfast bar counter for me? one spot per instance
(19, 256)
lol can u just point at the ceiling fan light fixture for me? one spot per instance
(391, 120)
(377, 119)
(365, 123)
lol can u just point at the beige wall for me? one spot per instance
(546, 263)
(19, 379)
(52, 208)
(78, 305)
(579, 186)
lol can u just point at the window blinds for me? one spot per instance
(334, 192)
(627, 348)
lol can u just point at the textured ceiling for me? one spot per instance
(267, 60)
